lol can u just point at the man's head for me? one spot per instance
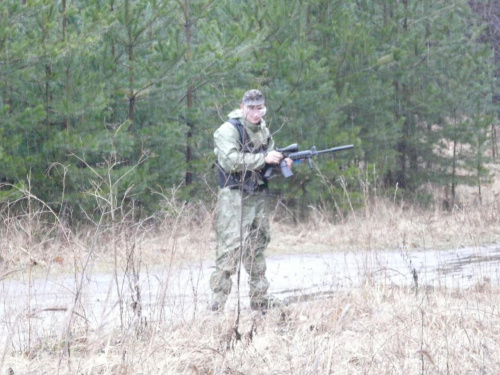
(253, 97)
(253, 106)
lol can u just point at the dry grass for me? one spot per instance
(184, 232)
(385, 225)
(371, 329)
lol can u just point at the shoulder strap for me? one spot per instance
(245, 142)
(239, 126)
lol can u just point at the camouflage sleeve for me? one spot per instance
(227, 150)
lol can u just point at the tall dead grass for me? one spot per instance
(386, 223)
(372, 329)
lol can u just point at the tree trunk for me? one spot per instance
(189, 98)
(48, 92)
(64, 20)
(131, 95)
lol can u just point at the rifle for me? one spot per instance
(293, 153)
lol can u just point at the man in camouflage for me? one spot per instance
(243, 147)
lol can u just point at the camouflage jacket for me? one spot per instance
(242, 165)
(228, 148)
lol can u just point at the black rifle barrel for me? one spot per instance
(313, 152)
(335, 149)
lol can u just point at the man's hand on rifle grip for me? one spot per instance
(273, 157)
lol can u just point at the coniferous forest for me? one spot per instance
(115, 101)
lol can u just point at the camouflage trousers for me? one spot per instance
(240, 221)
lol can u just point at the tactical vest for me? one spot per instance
(246, 181)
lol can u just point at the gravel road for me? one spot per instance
(37, 309)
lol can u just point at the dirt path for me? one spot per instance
(42, 308)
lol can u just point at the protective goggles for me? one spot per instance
(250, 109)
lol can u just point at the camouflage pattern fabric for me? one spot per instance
(227, 146)
(241, 218)
(235, 207)
(253, 97)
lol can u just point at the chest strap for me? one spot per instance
(250, 181)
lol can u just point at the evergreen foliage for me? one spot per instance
(119, 98)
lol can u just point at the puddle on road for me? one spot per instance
(184, 293)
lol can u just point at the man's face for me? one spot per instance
(253, 113)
